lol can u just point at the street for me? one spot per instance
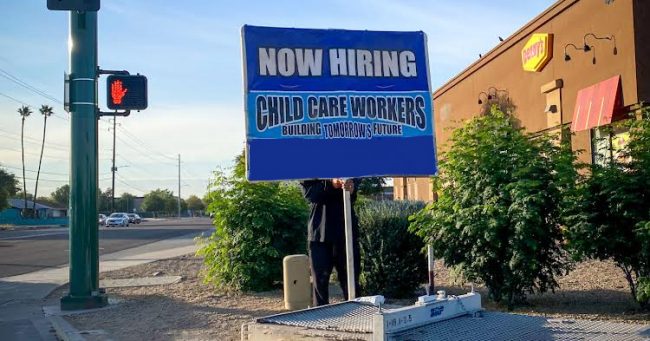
(23, 251)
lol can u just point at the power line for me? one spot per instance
(138, 149)
(141, 146)
(144, 145)
(147, 150)
(47, 145)
(31, 88)
(14, 99)
(32, 138)
(131, 166)
(23, 103)
(37, 154)
(119, 178)
(29, 138)
(192, 175)
(27, 86)
(46, 180)
(33, 171)
(142, 152)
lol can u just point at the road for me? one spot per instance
(23, 251)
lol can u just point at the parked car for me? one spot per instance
(117, 219)
(134, 218)
(102, 219)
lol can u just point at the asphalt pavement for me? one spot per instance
(34, 262)
(23, 251)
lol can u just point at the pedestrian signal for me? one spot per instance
(126, 92)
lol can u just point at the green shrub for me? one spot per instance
(608, 216)
(391, 260)
(257, 224)
(643, 290)
(497, 217)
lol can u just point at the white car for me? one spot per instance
(117, 219)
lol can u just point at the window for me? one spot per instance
(607, 144)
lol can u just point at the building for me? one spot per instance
(579, 65)
(46, 215)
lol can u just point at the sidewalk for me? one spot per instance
(22, 297)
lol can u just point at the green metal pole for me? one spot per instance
(84, 243)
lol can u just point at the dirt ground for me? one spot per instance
(191, 310)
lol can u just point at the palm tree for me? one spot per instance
(24, 112)
(46, 111)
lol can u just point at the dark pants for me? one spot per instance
(323, 257)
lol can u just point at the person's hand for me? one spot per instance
(337, 183)
(348, 185)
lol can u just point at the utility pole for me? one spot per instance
(179, 186)
(113, 169)
(84, 291)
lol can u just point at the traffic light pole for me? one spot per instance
(84, 292)
(113, 168)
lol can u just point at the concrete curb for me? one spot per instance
(64, 330)
(30, 227)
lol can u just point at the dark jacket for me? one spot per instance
(326, 217)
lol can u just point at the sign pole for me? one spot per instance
(431, 264)
(84, 292)
(349, 249)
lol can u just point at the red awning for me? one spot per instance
(596, 105)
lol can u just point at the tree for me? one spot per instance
(24, 112)
(46, 111)
(159, 200)
(8, 188)
(61, 195)
(497, 219)
(27, 195)
(195, 204)
(126, 202)
(48, 201)
(183, 205)
(257, 224)
(608, 215)
(105, 200)
(372, 187)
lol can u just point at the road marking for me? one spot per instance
(33, 235)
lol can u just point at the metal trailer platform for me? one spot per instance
(354, 321)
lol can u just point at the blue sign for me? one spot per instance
(336, 104)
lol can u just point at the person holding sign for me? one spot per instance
(327, 234)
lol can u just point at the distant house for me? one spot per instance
(12, 214)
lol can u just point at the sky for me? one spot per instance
(190, 52)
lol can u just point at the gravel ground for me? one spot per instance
(191, 310)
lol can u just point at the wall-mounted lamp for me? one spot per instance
(551, 108)
(492, 93)
(495, 91)
(488, 97)
(611, 38)
(567, 57)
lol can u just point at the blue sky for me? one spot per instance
(190, 52)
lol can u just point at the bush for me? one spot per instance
(497, 217)
(609, 215)
(391, 260)
(257, 224)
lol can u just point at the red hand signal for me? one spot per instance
(117, 91)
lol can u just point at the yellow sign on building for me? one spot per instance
(537, 51)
